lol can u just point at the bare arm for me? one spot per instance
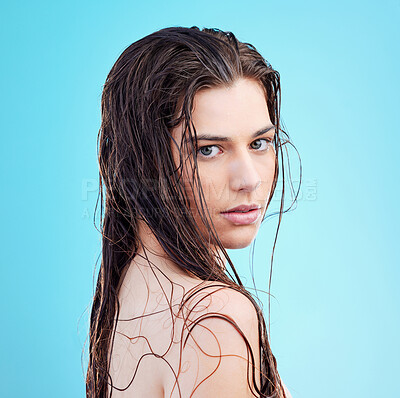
(215, 359)
(288, 395)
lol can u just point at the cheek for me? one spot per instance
(214, 185)
(266, 172)
(214, 191)
(266, 167)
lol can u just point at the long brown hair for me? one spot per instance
(148, 92)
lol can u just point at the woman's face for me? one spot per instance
(236, 159)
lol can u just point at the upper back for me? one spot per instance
(162, 348)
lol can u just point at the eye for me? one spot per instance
(266, 147)
(205, 151)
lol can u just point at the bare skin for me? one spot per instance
(245, 173)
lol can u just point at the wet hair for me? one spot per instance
(148, 92)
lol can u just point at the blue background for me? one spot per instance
(335, 315)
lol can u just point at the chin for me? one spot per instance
(238, 242)
(238, 245)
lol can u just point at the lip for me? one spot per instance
(249, 217)
(251, 206)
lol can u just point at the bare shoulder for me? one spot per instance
(220, 304)
(221, 345)
(287, 392)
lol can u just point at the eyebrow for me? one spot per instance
(208, 137)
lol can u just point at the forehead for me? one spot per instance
(231, 111)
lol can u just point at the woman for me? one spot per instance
(188, 154)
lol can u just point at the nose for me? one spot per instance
(244, 174)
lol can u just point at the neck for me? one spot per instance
(150, 248)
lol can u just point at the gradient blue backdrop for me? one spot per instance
(335, 316)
